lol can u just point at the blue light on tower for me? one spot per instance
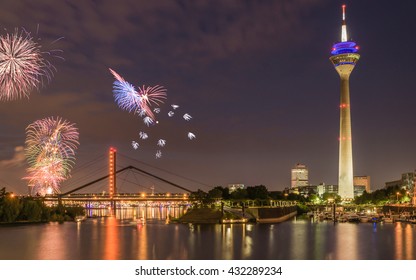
(344, 47)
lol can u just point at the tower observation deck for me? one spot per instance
(344, 57)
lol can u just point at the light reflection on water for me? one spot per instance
(115, 238)
(149, 212)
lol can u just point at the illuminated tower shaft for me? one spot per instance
(344, 57)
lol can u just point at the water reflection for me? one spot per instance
(409, 242)
(403, 240)
(112, 240)
(247, 242)
(161, 212)
(142, 242)
(115, 238)
(227, 242)
(347, 248)
(52, 244)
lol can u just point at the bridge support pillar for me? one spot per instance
(59, 201)
(113, 206)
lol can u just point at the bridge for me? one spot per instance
(111, 197)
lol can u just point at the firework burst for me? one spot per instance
(141, 101)
(50, 152)
(136, 101)
(22, 66)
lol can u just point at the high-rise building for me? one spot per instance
(362, 181)
(344, 57)
(407, 182)
(323, 188)
(299, 176)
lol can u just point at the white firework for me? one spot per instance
(135, 145)
(156, 110)
(191, 136)
(143, 135)
(174, 106)
(158, 154)
(148, 121)
(161, 142)
(141, 112)
(187, 117)
(171, 113)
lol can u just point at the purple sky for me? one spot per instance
(254, 75)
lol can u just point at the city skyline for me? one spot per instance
(255, 77)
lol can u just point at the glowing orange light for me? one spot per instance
(111, 171)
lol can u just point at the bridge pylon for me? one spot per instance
(112, 186)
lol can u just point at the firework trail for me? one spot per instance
(22, 66)
(50, 152)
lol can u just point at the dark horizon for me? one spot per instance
(254, 75)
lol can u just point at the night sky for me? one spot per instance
(254, 75)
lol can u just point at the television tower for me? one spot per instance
(344, 57)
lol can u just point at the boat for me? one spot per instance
(387, 220)
(411, 219)
(353, 218)
(364, 219)
(342, 219)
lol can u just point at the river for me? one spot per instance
(116, 237)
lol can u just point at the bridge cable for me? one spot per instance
(164, 170)
(121, 170)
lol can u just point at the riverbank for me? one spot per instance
(201, 216)
(216, 216)
(22, 223)
(210, 216)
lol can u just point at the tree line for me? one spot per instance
(258, 192)
(392, 194)
(30, 209)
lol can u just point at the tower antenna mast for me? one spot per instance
(344, 36)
